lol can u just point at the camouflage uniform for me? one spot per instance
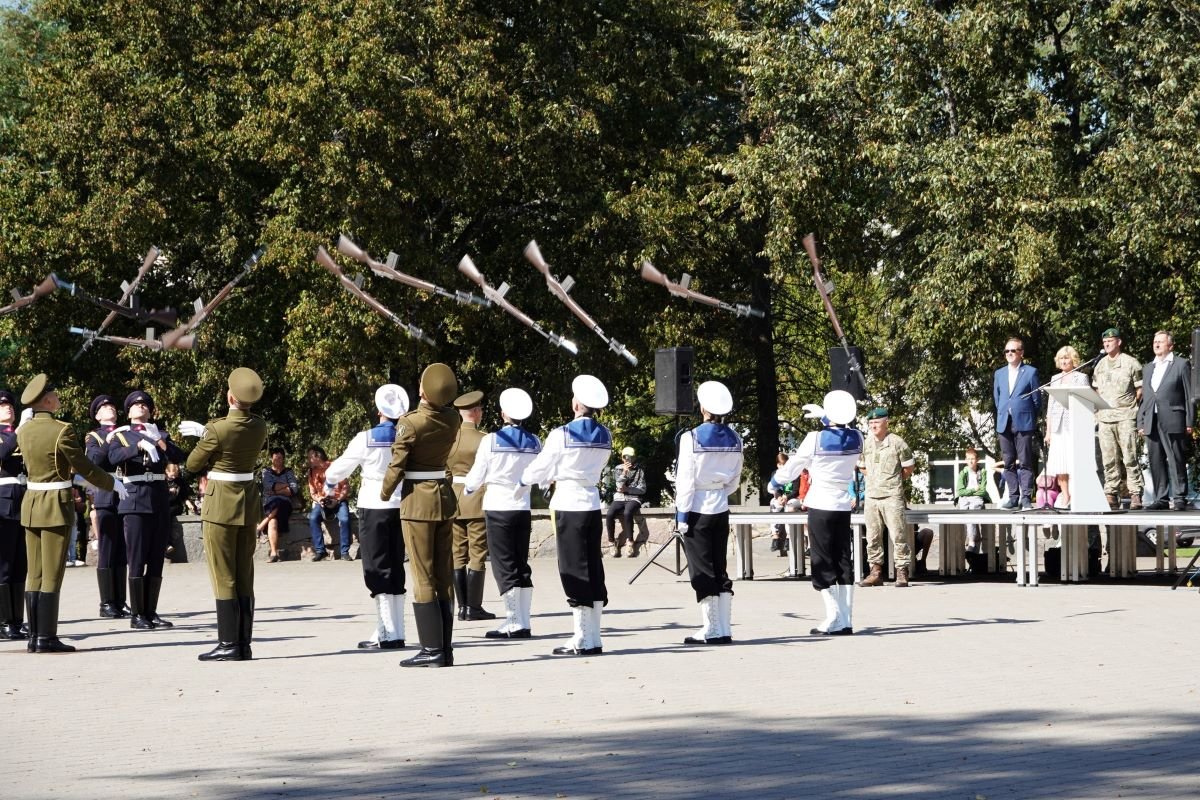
(885, 462)
(1117, 381)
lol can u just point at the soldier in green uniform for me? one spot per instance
(1118, 379)
(424, 438)
(48, 508)
(470, 533)
(887, 462)
(229, 448)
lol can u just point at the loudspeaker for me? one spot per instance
(1195, 366)
(840, 376)
(673, 391)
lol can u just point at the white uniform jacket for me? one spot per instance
(372, 451)
(573, 458)
(708, 470)
(830, 456)
(501, 458)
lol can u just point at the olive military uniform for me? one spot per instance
(1117, 381)
(885, 462)
(424, 438)
(470, 532)
(229, 450)
(48, 512)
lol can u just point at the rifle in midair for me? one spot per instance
(149, 343)
(354, 287)
(561, 291)
(467, 267)
(44, 288)
(174, 339)
(127, 296)
(681, 289)
(349, 249)
(824, 287)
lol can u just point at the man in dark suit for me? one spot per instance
(1165, 418)
(1015, 393)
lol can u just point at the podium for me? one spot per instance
(1082, 403)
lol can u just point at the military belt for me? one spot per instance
(147, 477)
(424, 476)
(42, 486)
(12, 480)
(232, 477)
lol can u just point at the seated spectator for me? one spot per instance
(279, 489)
(325, 504)
(630, 487)
(970, 494)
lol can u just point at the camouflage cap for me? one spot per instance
(468, 400)
(40, 385)
(245, 385)
(438, 384)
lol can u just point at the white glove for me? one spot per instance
(120, 489)
(813, 411)
(149, 449)
(151, 431)
(189, 428)
(682, 526)
(26, 415)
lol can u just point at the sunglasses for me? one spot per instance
(1011, 351)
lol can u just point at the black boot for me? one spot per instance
(120, 575)
(153, 587)
(31, 607)
(246, 626)
(448, 630)
(137, 604)
(430, 631)
(47, 625)
(227, 648)
(9, 627)
(460, 591)
(108, 604)
(474, 599)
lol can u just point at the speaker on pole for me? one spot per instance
(840, 374)
(673, 391)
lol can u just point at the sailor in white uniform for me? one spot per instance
(381, 545)
(830, 455)
(707, 471)
(572, 459)
(501, 458)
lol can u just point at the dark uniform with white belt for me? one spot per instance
(424, 438)
(470, 532)
(229, 449)
(13, 565)
(113, 561)
(139, 452)
(48, 509)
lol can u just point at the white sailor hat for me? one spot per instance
(516, 404)
(714, 398)
(590, 391)
(840, 407)
(391, 400)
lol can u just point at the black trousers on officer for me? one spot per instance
(508, 546)
(829, 541)
(14, 562)
(112, 540)
(146, 538)
(381, 548)
(580, 565)
(706, 544)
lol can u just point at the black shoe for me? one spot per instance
(111, 611)
(1179, 505)
(523, 633)
(426, 658)
(835, 632)
(51, 644)
(391, 644)
(319, 556)
(572, 651)
(141, 623)
(475, 613)
(1158, 505)
(224, 651)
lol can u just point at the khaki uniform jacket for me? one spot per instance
(231, 444)
(51, 455)
(885, 462)
(459, 462)
(1117, 380)
(424, 438)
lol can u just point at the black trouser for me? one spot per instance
(14, 561)
(381, 548)
(707, 544)
(829, 542)
(508, 547)
(580, 565)
(146, 538)
(1167, 454)
(1019, 451)
(112, 539)
(627, 510)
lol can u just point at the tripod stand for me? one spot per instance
(677, 540)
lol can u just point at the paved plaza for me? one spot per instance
(957, 690)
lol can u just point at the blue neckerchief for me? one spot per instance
(713, 438)
(514, 439)
(382, 435)
(586, 432)
(839, 442)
